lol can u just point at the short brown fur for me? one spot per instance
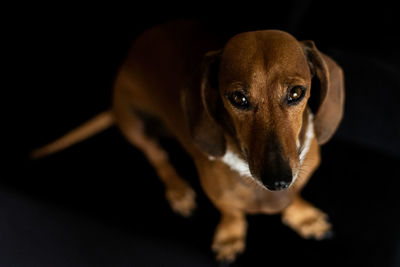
(184, 76)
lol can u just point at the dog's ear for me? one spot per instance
(327, 92)
(201, 103)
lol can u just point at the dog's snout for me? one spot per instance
(275, 172)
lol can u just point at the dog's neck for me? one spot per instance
(239, 165)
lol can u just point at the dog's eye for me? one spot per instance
(295, 94)
(239, 100)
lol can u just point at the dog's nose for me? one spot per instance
(278, 185)
(277, 182)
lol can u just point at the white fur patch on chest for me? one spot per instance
(235, 163)
(238, 165)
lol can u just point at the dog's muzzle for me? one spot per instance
(270, 165)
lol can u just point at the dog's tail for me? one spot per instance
(95, 125)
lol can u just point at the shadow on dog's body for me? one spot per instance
(166, 75)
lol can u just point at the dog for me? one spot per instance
(251, 111)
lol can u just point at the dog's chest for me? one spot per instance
(257, 199)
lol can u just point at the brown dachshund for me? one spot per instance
(242, 109)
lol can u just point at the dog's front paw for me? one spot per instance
(181, 199)
(228, 249)
(308, 222)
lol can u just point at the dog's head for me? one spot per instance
(254, 103)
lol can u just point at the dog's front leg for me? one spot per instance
(306, 220)
(230, 235)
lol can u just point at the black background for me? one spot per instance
(100, 203)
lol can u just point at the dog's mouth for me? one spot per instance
(272, 183)
(279, 185)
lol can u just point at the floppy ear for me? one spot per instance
(201, 102)
(328, 100)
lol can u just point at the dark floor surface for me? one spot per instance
(86, 208)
